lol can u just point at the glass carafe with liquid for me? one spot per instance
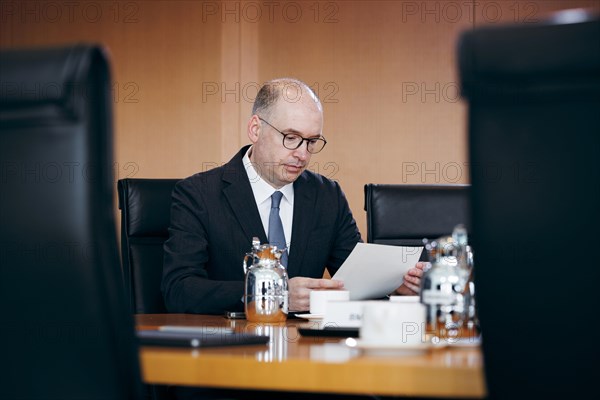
(447, 290)
(266, 284)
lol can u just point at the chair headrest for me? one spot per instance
(61, 74)
(536, 58)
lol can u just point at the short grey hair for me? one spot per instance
(275, 89)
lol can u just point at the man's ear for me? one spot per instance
(254, 128)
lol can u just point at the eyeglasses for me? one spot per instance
(291, 141)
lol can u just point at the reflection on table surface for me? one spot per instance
(313, 364)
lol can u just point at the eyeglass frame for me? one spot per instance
(285, 135)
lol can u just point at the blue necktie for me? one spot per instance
(276, 235)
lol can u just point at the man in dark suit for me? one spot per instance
(215, 214)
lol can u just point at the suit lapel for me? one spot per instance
(238, 193)
(305, 201)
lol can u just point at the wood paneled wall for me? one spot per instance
(186, 73)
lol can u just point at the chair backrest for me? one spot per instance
(403, 215)
(534, 101)
(145, 214)
(66, 331)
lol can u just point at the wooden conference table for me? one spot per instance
(291, 362)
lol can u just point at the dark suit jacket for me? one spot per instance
(213, 219)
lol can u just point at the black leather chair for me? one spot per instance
(534, 101)
(145, 213)
(403, 215)
(66, 330)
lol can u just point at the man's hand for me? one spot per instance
(412, 280)
(299, 290)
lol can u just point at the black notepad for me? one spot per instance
(189, 339)
(330, 331)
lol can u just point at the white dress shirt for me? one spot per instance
(262, 191)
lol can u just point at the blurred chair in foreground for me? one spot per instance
(67, 332)
(534, 101)
(145, 214)
(402, 215)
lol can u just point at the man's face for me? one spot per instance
(274, 163)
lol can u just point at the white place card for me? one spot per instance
(346, 314)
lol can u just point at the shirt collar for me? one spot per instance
(262, 189)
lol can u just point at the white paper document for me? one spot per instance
(374, 270)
